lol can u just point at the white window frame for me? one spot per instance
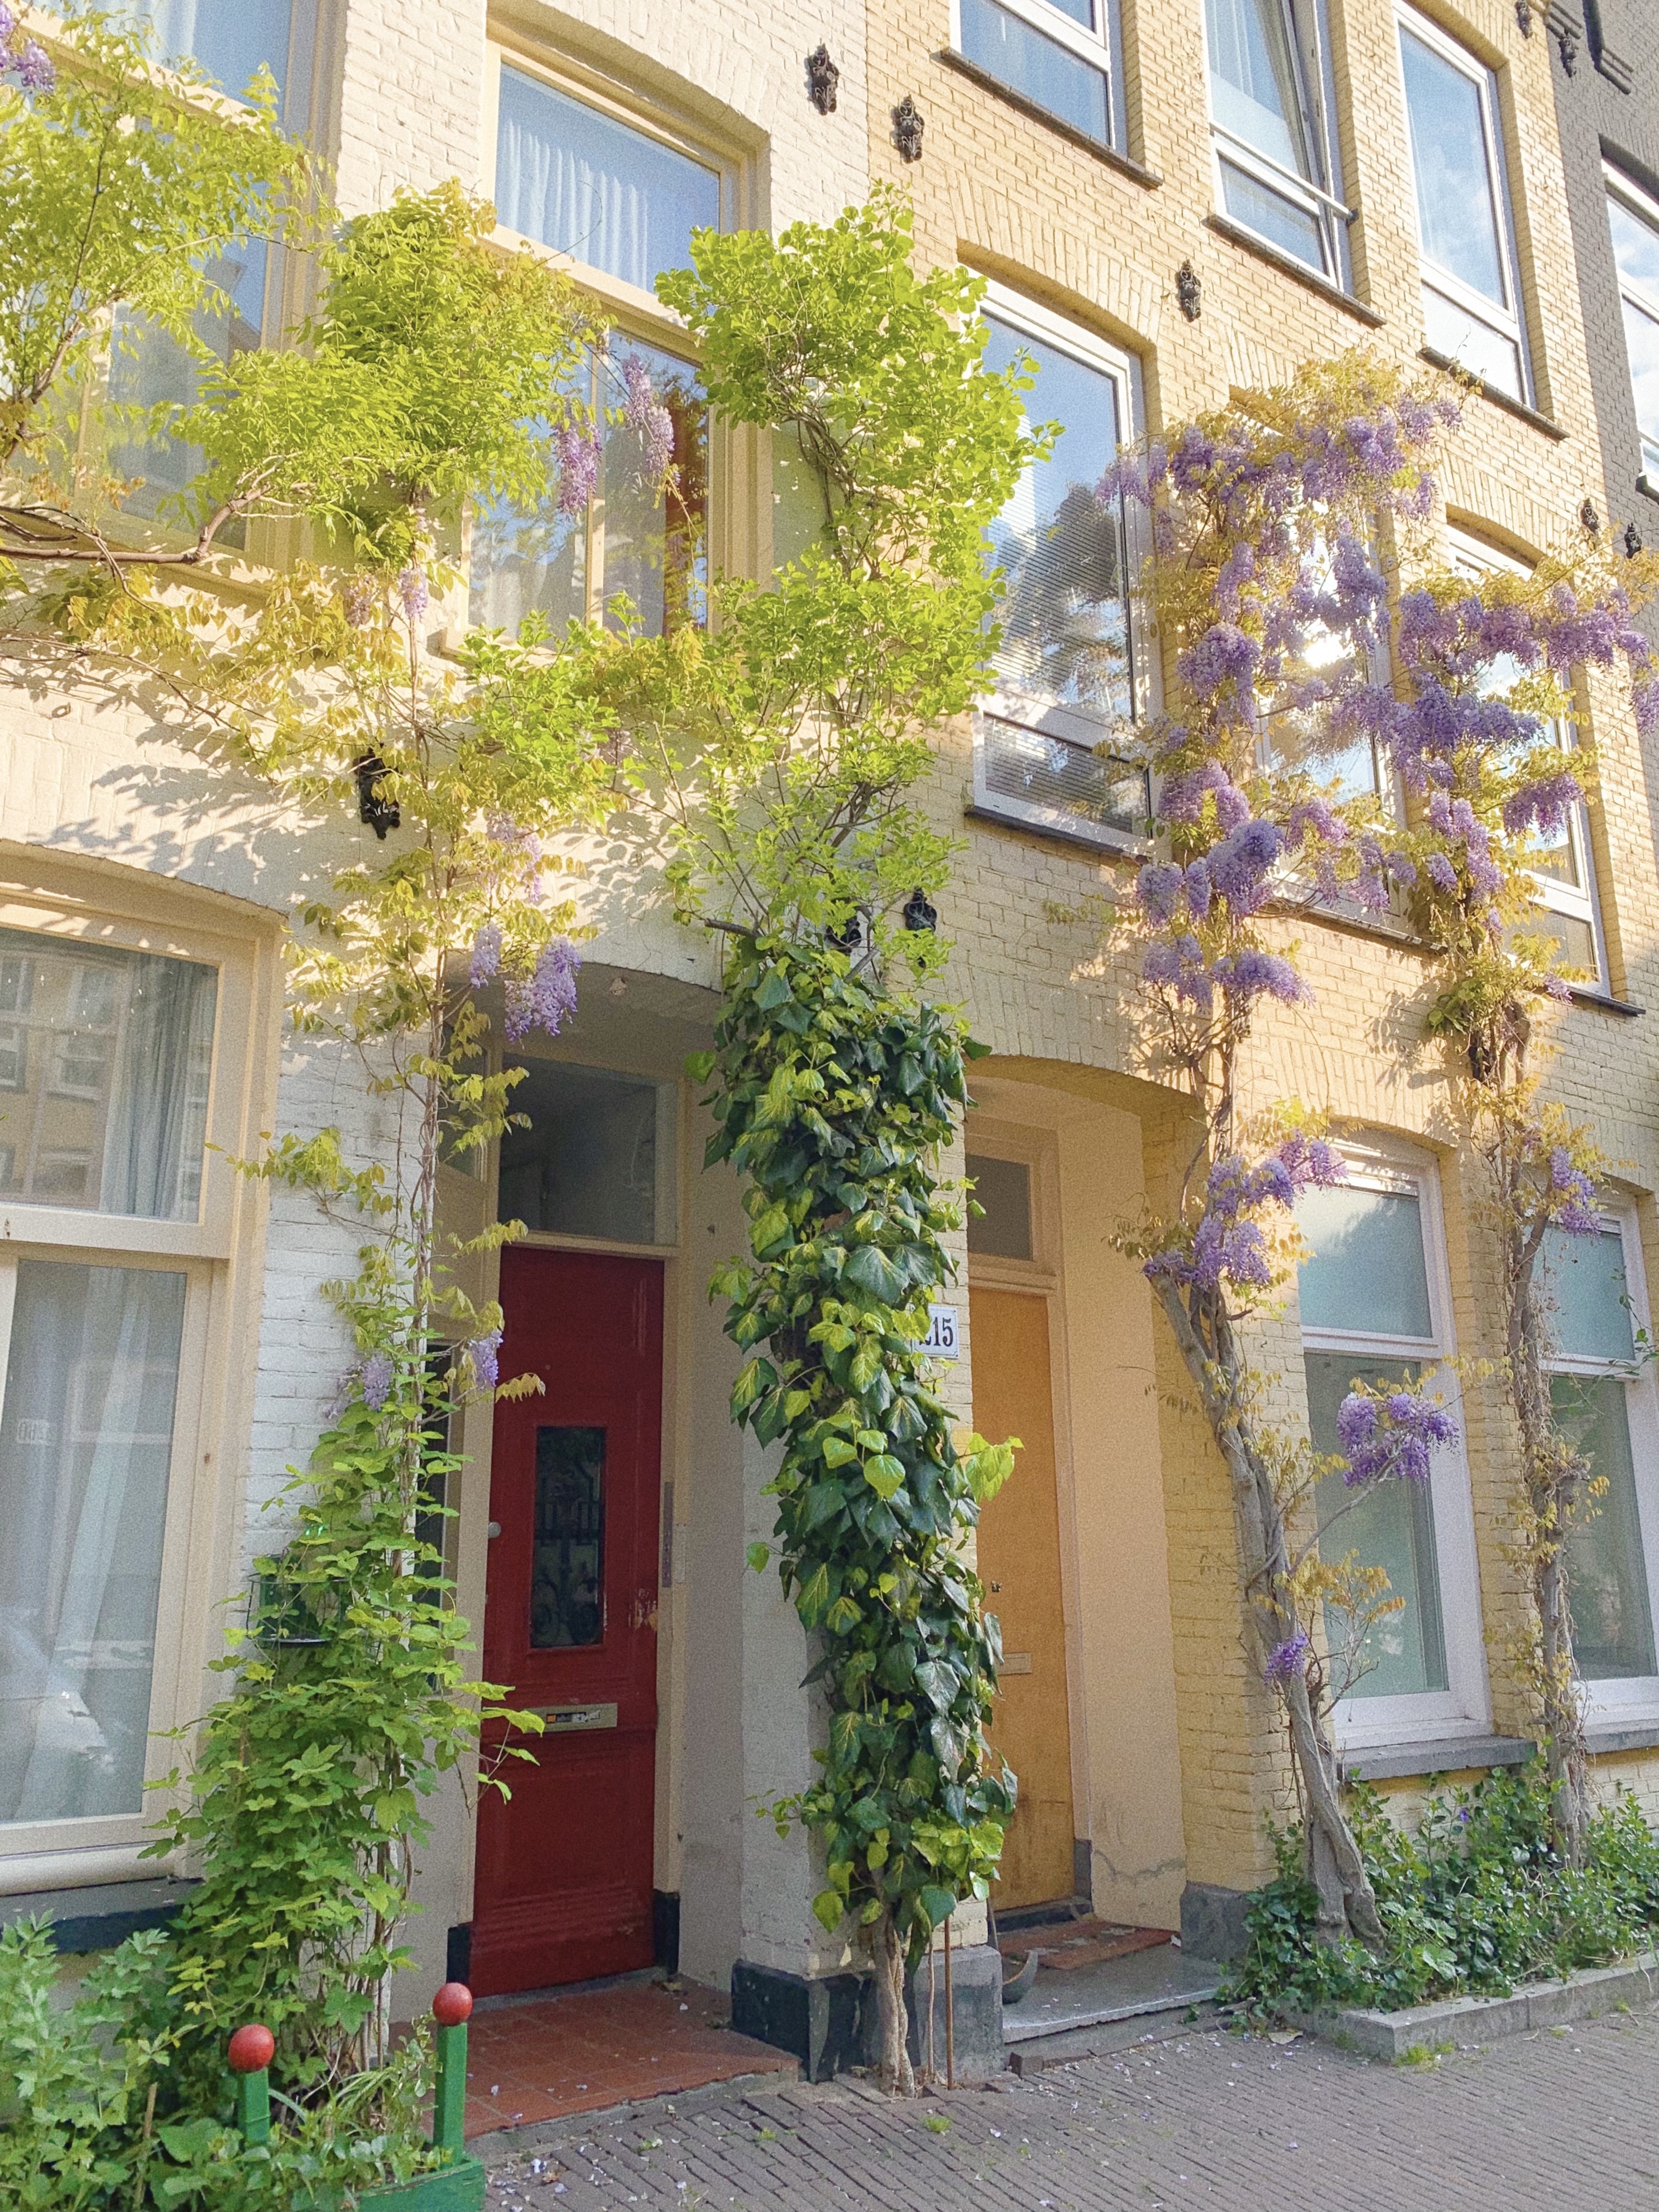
(1463, 1707)
(1645, 208)
(1579, 902)
(1003, 702)
(44, 1854)
(1304, 29)
(1633, 1696)
(1101, 47)
(1508, 321)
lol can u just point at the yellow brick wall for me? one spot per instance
(1026, 204)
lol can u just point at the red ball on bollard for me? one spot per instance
(250, 2049)
(452, 2004)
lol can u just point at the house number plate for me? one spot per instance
(941, 1341)
(562, 1718)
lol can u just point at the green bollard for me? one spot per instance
(252, 2050)
(451, 2008)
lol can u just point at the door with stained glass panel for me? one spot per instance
(564, 1885)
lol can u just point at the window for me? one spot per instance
(1471, 291)
(1374, 1309)
(597, 1159)
(588, 185)
(1635, 221)
(121, 1105)
(1563, 866)
(1061, 55)
(639, 536)
(232, 40)
(1275, 158)
(1300, 738)
(1606, 1410)
(1063, 674)
(1002, 1230)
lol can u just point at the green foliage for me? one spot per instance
(122, 186)
(833, 1096)
(1477, 1902)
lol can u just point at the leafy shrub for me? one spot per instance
(1473, 1904)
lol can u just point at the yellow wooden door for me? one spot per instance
(1020, 1564)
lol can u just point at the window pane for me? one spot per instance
(1390, 1525)
(1568, 939)
(1366, 1272)
(1064, 608)
(1635, 246)
(586, 184)
(1475, 346)
(1277, 219)
(587, 1166)
(229, 38)
(1642, 344)
(1049, 771)
(567, 1575)
(85, 1441)
(642, 538)
(105, 1060)
(1253, 87)
(1045, 72)
(1003, 1188)
(1606, 1575)
(1584, 1278)
(1456, 202)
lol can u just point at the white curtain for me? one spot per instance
(86, 1438)
(158, 1112)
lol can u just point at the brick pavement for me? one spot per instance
(1555, 2122)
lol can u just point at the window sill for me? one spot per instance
(1645, 484)
(1601, 1737)
(98, 1919)
(1441, 1755)
(949, 58)
(1583, 996)
(1507, 401)
(1103, 844)
(1236, 235)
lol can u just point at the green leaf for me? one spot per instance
(885, 1474)
(699, 1066)
(828, 1910)
(759, 1557)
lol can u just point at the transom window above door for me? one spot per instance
(1275, 153)
(1470, 278)
(1061, 55)
(1063, 672)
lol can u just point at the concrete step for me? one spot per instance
(1141, 1987)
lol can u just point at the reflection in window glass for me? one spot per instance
(1043, 771)
(1048, 73)
(1390, 1525)
(1255, 94)
(1365, 1273)
(640, 537)
(105, 1061)
(587, 1164)
(86, 1440)
(587, 184)
(1612, 1615)
(1003, 1189)
(567, 1575)
(1582, 1278)
(1636, 250)
(1064, 612)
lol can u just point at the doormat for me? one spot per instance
(1064, 1945)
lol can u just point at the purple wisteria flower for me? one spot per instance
(1184, 794)
(8, 24)
(1391, 1437)
(1253, 974)
(482, 1353)
(413, 590)
(1576, 1194)
(1545, 805)
(1227, 1246)
(1160, 890)
(1442, 870)
(34, 65)
(486, 956)
(1239, 864)
(377, 1380)
(547, 998)
(1288, 1660)
(358, 599)
(1199, 885)
(577, 455)
(649, 420)
(1223, 655)
(1177, 964)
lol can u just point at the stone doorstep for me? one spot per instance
(1395, 2035)
(1016, 2031)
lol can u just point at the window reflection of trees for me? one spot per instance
(567, 1587)
(1065, 623)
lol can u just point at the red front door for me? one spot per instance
(562, 1891)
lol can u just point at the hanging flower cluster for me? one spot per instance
(22, 56)
(1228, 1247)
(1389, 1435)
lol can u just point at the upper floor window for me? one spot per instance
(611, 196)
(1275, 158)
(1059, 54)
(1064, 670)
(1635, 220)
(1563, 866)
(1471, 286)
(1375, 1309)
(1606, 1410)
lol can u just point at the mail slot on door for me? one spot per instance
(560, 1718)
